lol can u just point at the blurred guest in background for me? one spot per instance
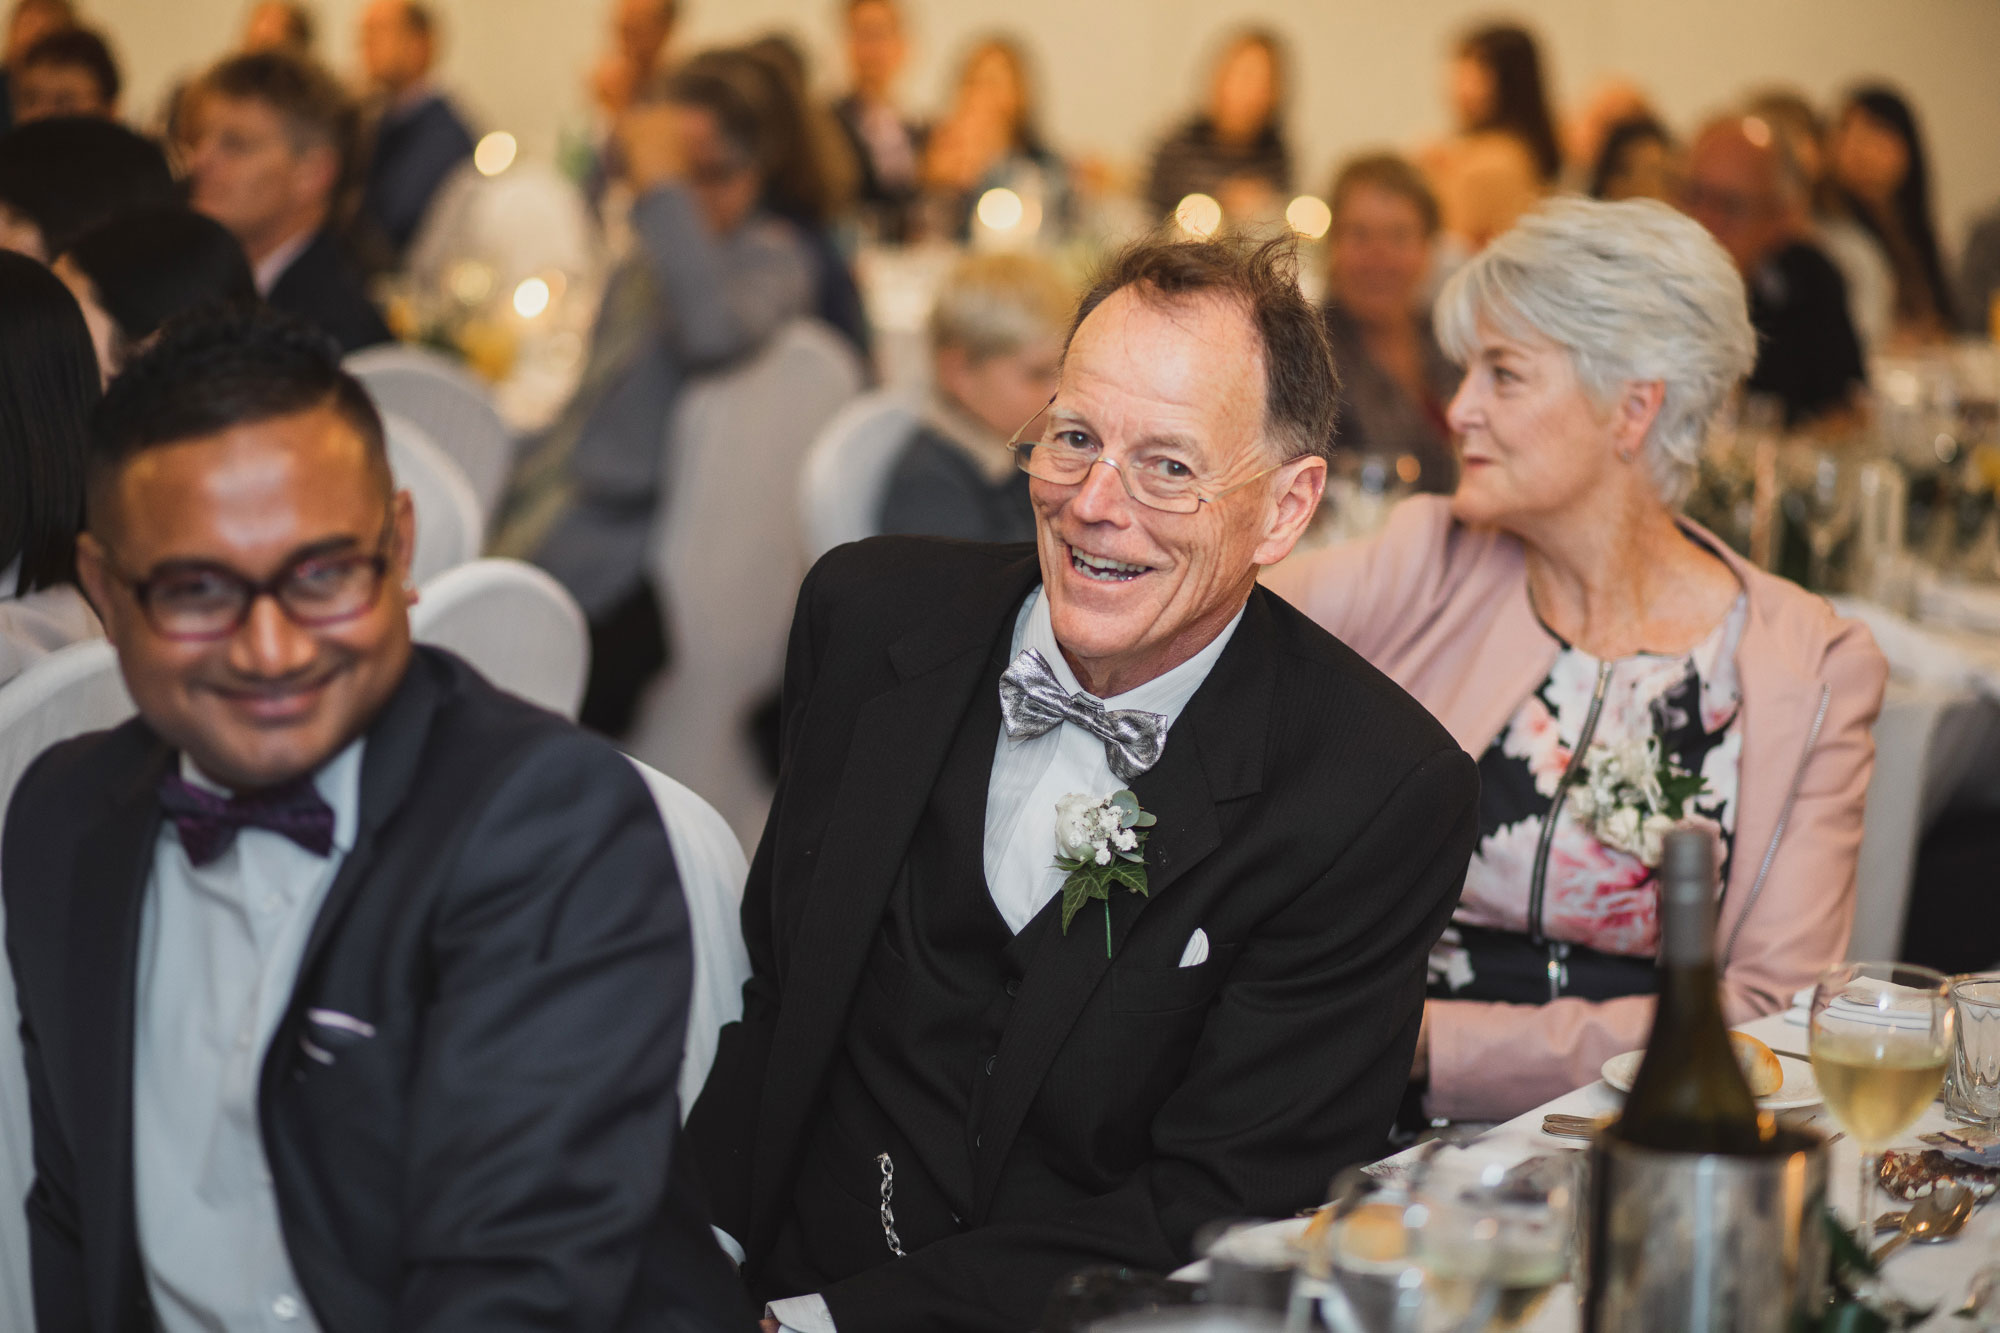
(1871, 287)
(27, 23)
(59, 178)
(70, 72)
(1504, 156)
(811, 180)
(640, 30)
(1880, 163)
(888, 144)
(715, 273)
(1639, 160)
(148, 266)
(1559, 585)
(278, 25)
(1234, 148)
(1979, 278)
(419, 137)
(1615, 100)
(990, 138)
(1394, 379)
(1747, 189)
(274, 137)
(996, 345)
(48, 386)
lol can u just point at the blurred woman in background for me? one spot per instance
(990, 138)
(143, 268)
(1234, 149)
(1504, 157)
(48, 386)
(1639, 160)
(1871, 287)
(1881, 166)
(1395, 381)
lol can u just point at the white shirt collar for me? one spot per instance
(274, 264)
(1166, 694)
(338, 783)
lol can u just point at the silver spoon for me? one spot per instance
(1936, 1216)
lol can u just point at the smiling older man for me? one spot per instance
(964, 1070)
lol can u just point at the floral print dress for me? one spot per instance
(1600, 904)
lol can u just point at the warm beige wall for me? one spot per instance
(1114, 72)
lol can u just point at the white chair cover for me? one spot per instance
(847, 470)
(450, 530)
(727, 558)
(71, 691)
(519, 627)
(712, 870)
(449, 404)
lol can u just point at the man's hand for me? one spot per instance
(650, 136)
(769, 1325)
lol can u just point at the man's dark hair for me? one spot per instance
(48, 385)
(69, 173)
(1301, 387)
(153, 264)
(316, 110)
(79, 48)
(220, 368)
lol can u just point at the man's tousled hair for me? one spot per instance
(1301, 386)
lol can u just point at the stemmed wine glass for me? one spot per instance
(1881, 1033)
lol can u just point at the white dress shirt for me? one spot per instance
(219, 952)
(1028, 777)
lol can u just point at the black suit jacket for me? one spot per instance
(322, 286)
(1313, 820)
(499, 1155)
(413, 154)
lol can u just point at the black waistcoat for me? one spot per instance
(919, 1043)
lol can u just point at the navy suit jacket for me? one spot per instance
(323, 287)
(414, 153)
(502, 1153)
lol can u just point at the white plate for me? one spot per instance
(1798, 1089)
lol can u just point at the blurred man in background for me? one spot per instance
(272, 135)
(27, 23)
(279, 25)
(70, 72)
(888, 145)
(419, 137)
(1747, 189)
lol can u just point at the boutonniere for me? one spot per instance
(1100, 841)
(1632, 793)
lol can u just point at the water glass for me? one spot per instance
(1972, 1084)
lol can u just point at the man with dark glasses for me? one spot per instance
(352, 989)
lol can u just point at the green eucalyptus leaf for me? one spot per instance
(1146, 819)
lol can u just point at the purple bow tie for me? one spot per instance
(209, 822)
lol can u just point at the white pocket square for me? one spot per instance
(1197, 948)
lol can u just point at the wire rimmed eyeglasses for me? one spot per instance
(1064, 455)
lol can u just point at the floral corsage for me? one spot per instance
(1100, 841)
(1632, 793)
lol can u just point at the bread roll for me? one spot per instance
(1761, 1067)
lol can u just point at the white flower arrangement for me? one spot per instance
(1632, 794)
(1100, 841)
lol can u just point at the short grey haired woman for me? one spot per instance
(1614, 668)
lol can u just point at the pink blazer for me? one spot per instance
(1443, 609)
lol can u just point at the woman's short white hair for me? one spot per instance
(1634, 291)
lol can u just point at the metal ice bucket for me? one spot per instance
(1692, 1243)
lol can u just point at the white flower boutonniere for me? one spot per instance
(1632, 794)
(1100, 841)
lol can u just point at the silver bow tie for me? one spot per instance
(1033, 701)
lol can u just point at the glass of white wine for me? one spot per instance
(1881, 1034)
(1498, 1236)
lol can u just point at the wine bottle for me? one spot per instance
(1690, 1094)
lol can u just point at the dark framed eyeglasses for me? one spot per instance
(199, 602)
(1063, 455)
